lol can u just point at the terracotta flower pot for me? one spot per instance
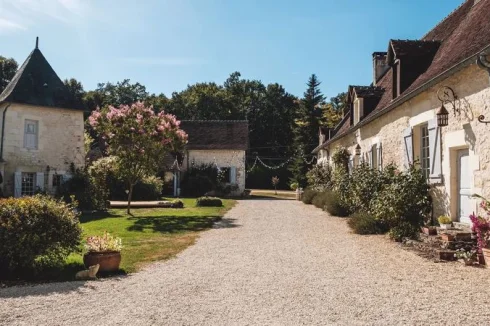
(109, 261)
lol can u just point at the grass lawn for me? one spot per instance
(151, 234)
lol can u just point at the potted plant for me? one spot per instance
(481, 226)
(103, 250)
(469, 257)
(445, 222)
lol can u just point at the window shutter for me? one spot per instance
(351, 164)
(435, 152)
(369, 155)
(40, 181)
(408, 146)
(380, 156)
(17, 184)
(233, 175)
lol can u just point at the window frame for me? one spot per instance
(424, 147)
(24, 190)
(35, 123)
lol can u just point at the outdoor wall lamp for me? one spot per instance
(358, 150)
(483, 61)
(446, 95)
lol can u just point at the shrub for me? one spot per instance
(199, 180)
(319, 177)
(177, 203)
(443, 219)
(334, 205)
(404, 229)
(403, 201)
(79, 186)
(308, 196)
(342, 183)
(340, 157)
(35, 233)
(209, 202)
(320, 199)
(365, 223)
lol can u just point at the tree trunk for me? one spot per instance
(130, 195)
(275, 190)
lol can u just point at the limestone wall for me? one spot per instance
(60, 141)
(223, 158)
(472, 86)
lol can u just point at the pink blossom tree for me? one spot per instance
(139, 138)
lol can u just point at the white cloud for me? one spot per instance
(7, 25)
(23, 14)
(163, 61)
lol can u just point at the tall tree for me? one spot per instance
(8, 68)
(306, 128)
(77, 92)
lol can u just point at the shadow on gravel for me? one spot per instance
(265, 197)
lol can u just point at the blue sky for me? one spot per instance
(167, 45)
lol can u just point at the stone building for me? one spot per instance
(219, 142)
(41, 131)
(395, 119)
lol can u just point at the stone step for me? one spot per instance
(446, 254)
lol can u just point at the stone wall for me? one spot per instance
(472, 86)
(60, 141)
(223, 158)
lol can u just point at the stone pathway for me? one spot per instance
(270, 262)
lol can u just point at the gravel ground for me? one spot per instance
(270, 262)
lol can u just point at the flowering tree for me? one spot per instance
(139, 139)
(275, 182)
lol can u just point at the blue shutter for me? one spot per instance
(233, 175)
(435, 152)
(40, 181)
(17, 184)
(408, 147)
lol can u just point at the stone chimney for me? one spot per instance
(380, 66)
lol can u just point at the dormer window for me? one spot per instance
(358, 110)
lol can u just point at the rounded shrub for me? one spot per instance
(35, 233)
(320, 199)
(209, 202)
(365, 223)
(404, 230)
(334, 205)
(308, 196)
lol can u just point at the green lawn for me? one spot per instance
(151, 233)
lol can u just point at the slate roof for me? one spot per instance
(412, 48)
(216, 134)
(461, 36)
(36, 83)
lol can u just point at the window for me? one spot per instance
(57, 180)
(28, 186)
(225, 175)
(424, 151)
(30, 134)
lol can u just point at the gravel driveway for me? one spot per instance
(270, 262)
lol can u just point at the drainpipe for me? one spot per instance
(3, 132)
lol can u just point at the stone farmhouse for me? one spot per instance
(428, 104)
(219, 142)
(41, 131)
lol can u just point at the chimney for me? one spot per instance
(380, 66)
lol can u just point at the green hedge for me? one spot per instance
(308, 195)
(335, 206)
(36, 233)
(209, 202)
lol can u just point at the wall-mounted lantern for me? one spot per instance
(446, 95)
(442, 117)
(358, 150)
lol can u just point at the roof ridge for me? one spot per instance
(445, 18)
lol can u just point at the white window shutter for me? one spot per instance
(233, 175)
(408, 147)
(435, 152)
(351, 165)
(17, 184)
(380, 156)
(40, 181)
